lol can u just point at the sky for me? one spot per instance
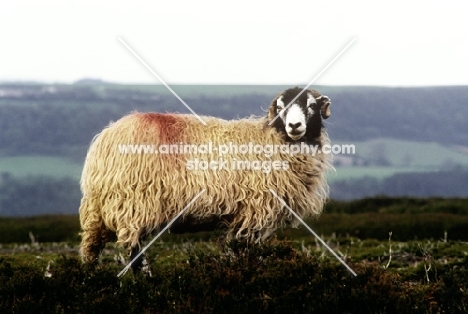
(396, 43)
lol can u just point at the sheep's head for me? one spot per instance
(302, 119)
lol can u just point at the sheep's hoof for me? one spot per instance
(141, 264)
(145, 267)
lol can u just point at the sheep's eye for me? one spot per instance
(279, 108)
(310, 110)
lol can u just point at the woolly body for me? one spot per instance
(132, 195)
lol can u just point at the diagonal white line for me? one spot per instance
(315, 78)
(160, 79)
(313, 232)
(159, 234)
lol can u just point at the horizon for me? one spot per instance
(95, 81)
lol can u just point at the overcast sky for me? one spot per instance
(237, 42)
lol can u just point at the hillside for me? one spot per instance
(402, 136)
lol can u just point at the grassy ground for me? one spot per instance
(403, 257)
(407, 254)
(401, 242)
(217, 277)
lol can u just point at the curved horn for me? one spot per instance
(324, 106)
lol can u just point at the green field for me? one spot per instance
(356, 172)
(417, 155)
(56, 167)
(399, 156)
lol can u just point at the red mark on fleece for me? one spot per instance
(168, 126)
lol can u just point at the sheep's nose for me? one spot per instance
(295, 125)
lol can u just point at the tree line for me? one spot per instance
(50, 121)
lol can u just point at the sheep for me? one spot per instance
(129, 196)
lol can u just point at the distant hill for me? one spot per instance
(90, 81)
(424, 114)
(46, 118)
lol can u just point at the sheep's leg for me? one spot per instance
(93, 240)
(138, 263)
(94, 235)
(131, 238)
(141, 263)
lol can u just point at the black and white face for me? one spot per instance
(298, 114)
(295, 117)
